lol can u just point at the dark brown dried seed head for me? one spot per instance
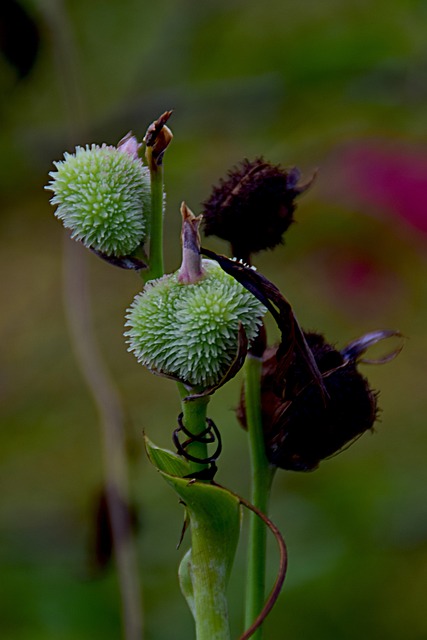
(301, 427)
(253, 207)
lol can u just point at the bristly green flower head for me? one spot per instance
(190, 331)
(103, 196)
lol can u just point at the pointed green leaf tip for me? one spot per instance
(190, 331)
(103, 196)
(166, 461)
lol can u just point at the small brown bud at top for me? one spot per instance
(253, 207)
(157, 139)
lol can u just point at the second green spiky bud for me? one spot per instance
(186, 324)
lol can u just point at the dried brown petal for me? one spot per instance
(300, 428)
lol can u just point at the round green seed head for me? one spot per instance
(103, 196)
(190, 331)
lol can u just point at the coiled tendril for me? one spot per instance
(209, 435)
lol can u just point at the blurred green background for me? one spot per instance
(338, 87)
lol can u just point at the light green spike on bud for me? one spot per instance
(102, 194)
(190, 330)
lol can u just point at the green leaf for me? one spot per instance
(165, 460)
(215, 517)
(214, 513)
(215, 528)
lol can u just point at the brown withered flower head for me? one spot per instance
(301, 425)
(314, 401)
(253, 207)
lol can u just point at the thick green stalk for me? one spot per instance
(262, 477)
(156, 269)
(209, 585)
(206, 570)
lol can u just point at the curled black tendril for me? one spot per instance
(209, 435)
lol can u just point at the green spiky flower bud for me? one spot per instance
(103, 196)
(187, 324)
(190, 331)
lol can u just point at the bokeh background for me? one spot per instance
(333, 86)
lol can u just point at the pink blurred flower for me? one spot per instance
(384, 176)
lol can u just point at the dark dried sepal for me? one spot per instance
(123, 262)
(293, 339)
(253, 207)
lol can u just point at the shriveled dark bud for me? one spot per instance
(253, 207)
(157, 139)
(102, 543)
(301, 425)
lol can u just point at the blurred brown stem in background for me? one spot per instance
(79, 317)
(78, 310)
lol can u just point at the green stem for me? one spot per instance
(262, 477)
(208, 583)
(210, 608)
(194, 418)
(210, 602)
(156, 269)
